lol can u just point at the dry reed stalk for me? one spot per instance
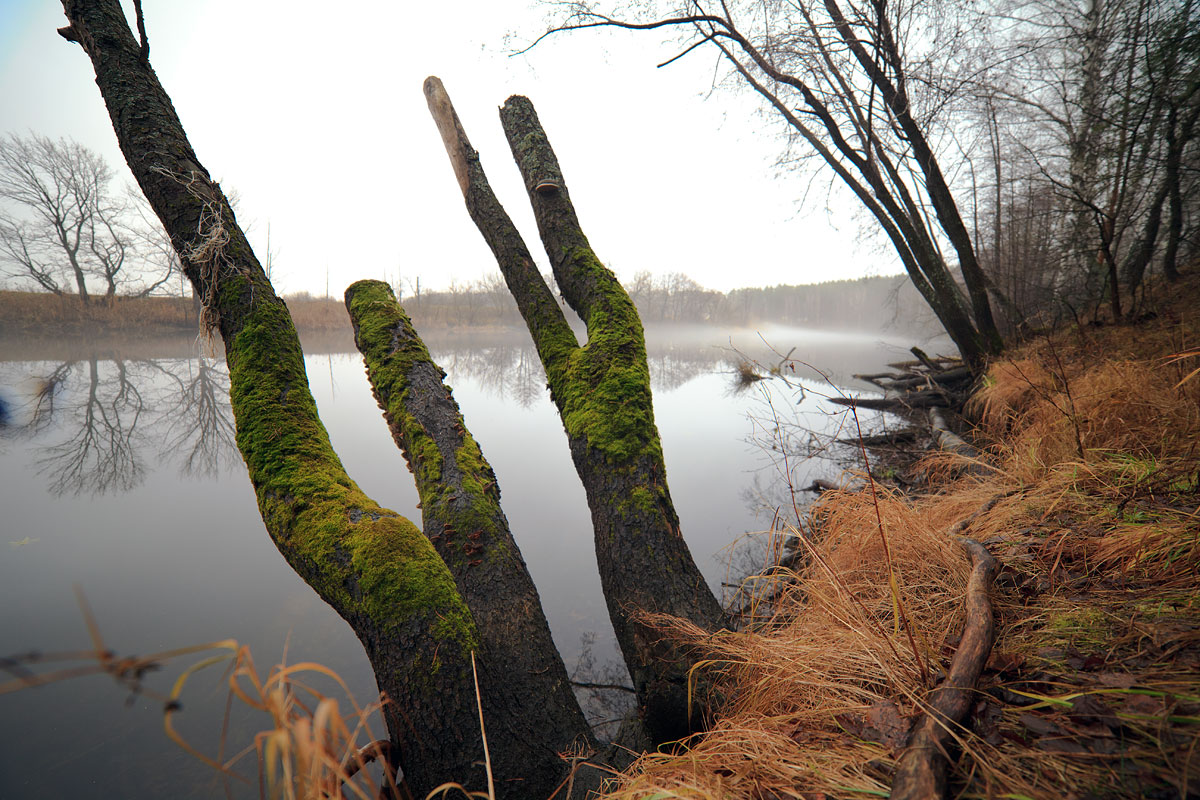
(311, 751)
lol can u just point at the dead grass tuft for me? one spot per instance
(821, 695)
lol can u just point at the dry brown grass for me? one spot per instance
(1093, 507)
(803, 683)
(33, 312)
(311, 750)
(311, 313)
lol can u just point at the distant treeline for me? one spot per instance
(872, 303)
(865, 304)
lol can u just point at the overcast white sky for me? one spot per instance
(313, 113)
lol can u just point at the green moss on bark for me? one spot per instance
(463, 493)
(603, 388)
(363, 559)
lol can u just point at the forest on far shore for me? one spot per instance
(673, 299)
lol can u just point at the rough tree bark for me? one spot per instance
(372, 565)
(602, 391)
(523, 681)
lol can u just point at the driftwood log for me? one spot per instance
(921, 770)
(926, 398)
(951, 442)
(949, 377)
(926, 383)
(888, 439)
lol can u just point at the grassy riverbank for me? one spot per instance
(40, 313)
(1090, 501)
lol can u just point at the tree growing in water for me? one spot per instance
(427, 605)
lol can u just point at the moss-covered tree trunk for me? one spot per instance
(526, 690)
(602, 390)
(372, 565)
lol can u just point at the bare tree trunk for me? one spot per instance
(1138, 257)
(829, 92)
(895, 94)
(602, 391)
(1177, 141)
(1084, 135)
(1170, 256)
(373, 566)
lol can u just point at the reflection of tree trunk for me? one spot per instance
(373, 566)
(45, 402)
(602, 391)
(527, 696)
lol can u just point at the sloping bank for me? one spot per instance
(1091, 506)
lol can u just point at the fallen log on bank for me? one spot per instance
(888, 439)
(950, 377)
(937, 361)
(951, 442)
(921, 769)
(908, 401)
(924, 359)
(926, 383)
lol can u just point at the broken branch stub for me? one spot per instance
(552, 336)
(602, 391)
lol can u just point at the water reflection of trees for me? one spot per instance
(513, 371)
(95, 422)
(200, 430)
(509, 371)
(100, 452)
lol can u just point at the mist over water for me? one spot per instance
(120, 475)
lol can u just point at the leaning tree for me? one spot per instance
(840, 74)
(436, 606)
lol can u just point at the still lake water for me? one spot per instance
(118, 474)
